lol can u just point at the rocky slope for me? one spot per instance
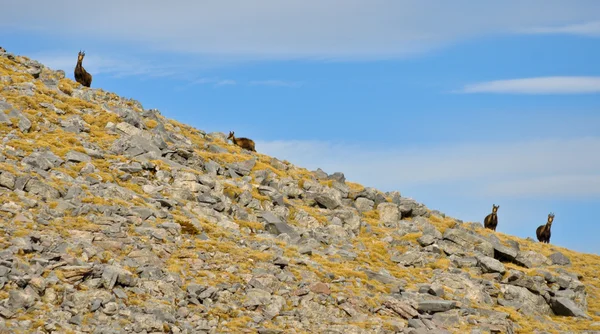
(114, 219)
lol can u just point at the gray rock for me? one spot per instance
(502, 252)
(4, 106)
(410, 258)
(24, 123)
(436, 290)
(4, 271)
(491, 265)
(43, 160)
(560, 259)
(566, 307)
(216, 149)
(263, 330)
(410, 208)
(257, 297)
(129, 129)
(274, 225)
(523, 300)
(337, 176)
(446, 319)
(532, 259)
(142, 212)
(383, 278)
(110, 308)
(75, 156)
(389, 214)
(76, 319)
(432, 306)
(244, 167)
(327, 200)
(133, 167)
(307, 246)
(416, 323)
(469, 241)
(113, 275)
(364, 204)
(21, 299)
(7, 180)
(401, 308)
(426, 240)
(37, 187)
(74, 124)
(513, 275)
(52, 107)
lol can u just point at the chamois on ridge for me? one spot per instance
(543, 231)
(81, 75)
(244, 143)
(491, 220)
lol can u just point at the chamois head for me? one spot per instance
(80, 56)
(550, 218)
(230, 135)
(495, 208)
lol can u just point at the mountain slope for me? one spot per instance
(115, 219)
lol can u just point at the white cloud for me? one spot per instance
(553, 167)
(105, 65)
(275, 83)
(554, 185)
(591, 29)
(540, 85)
(274, 29)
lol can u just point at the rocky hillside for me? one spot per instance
(114, 219)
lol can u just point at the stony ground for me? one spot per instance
(114, 219)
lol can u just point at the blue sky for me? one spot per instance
(456, 104)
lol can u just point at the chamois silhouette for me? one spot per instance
(491, 220)
(81, 75)
(244, 143)
(543, 231)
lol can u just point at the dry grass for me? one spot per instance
(151, 124)
(355, 186)
(442, 224)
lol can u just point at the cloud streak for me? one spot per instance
(295, 29)
(591, 29)
(275, 83)
(551, 168)
(99, 64)
(539, 85)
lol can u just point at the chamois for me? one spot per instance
(543, 231)
(491, 220)
(81, 75)
(244, 143)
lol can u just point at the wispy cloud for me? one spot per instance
(107, 65)
(563, 185)
(226, 82)
(274, 29)
(230, 82)
(553, 167)
(214, 82)
(586, 29)
(539, 85)
(275, 83)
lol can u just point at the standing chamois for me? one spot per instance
(543, 231)
(244, 143)
(491, 220)
(81, 75)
